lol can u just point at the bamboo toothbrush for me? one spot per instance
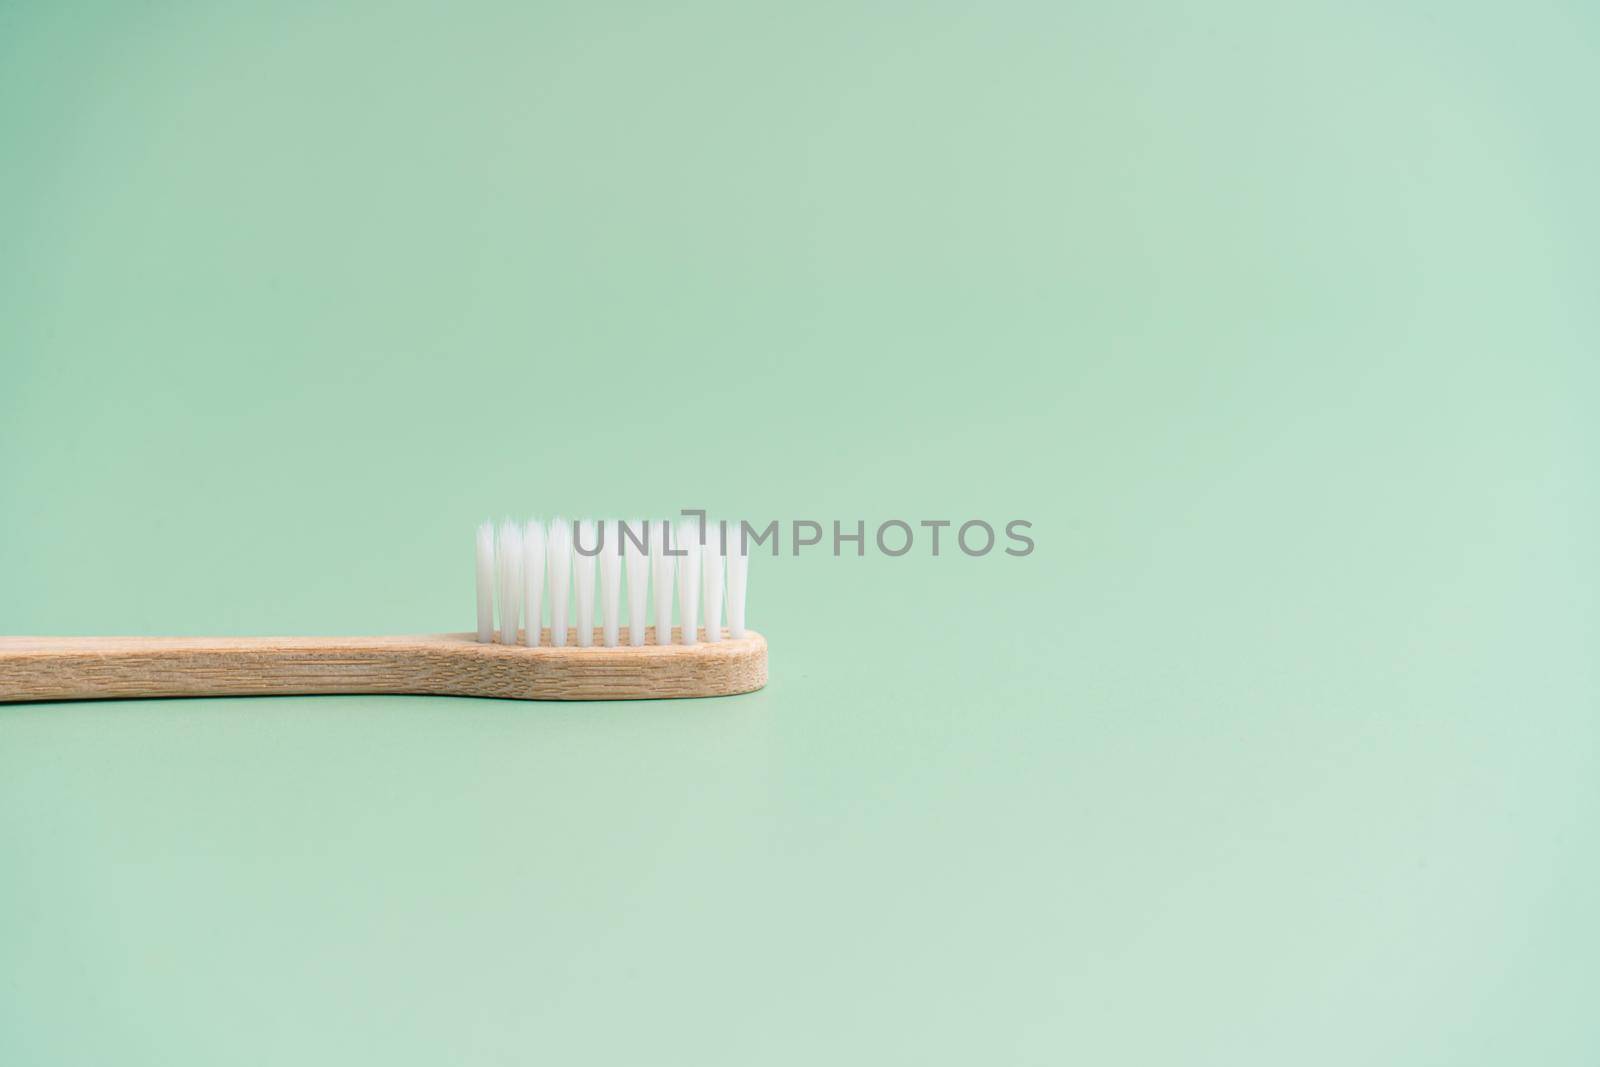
(512, 654)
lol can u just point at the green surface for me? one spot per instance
(1280, 325)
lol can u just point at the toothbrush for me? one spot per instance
(519, 566)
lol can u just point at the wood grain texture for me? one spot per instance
(96, 668)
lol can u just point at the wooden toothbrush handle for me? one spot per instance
(91, 668)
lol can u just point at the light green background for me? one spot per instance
(1278, 321)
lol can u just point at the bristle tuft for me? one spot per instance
(583, 580)
(533, 569)
(738, 580)
(711, 587)
(662, 571)
(485, 560)
(558, 577)
(508, 566)
(634, 535)
(687, 541)
(610, 582)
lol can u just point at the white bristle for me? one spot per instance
(662, 570)
(638, 577)
(533, 579)
(486, 582)
(508, 564)
(583, 582)
(687, 541)
(610, 581)
(558, 577)
(711, 587)
(738, 580)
